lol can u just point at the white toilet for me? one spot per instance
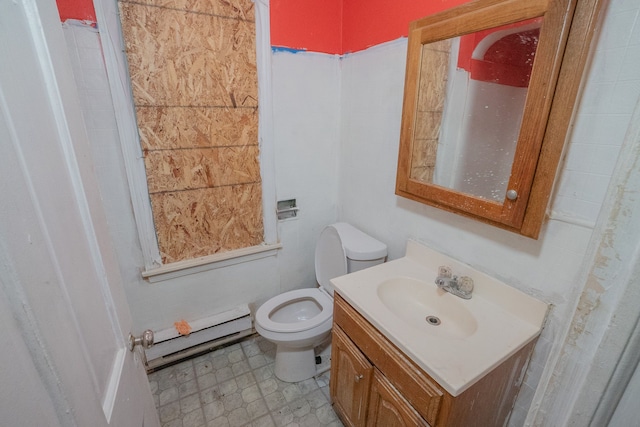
(298, 321)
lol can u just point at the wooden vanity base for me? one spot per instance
(373, 383)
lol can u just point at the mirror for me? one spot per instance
(471, 96)
(483, 81)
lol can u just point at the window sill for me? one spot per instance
(198, 265)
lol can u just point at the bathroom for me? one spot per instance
(335, 128)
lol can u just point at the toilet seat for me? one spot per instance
(300, 320)
(331, 259)
(265, 310)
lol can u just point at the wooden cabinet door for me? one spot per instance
(351, 375)
(388, 408)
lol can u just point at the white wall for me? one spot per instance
(549, 268)
(306, 134)
(306, 117)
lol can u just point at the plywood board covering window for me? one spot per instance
(193, 74)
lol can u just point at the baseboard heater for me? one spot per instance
(210, 332)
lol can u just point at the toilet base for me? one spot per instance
(295, 364)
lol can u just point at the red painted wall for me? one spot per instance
(367, 23)
(329, 26)
(314, 25)
(76, 9)
(342, 26)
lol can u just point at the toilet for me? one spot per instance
(298, 321)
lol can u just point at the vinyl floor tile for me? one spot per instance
(235, 386)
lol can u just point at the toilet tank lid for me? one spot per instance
(359, 246)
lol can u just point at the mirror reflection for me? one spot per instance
(471, 98)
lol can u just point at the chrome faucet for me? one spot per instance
(459, 286)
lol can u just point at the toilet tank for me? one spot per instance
(343, 249)
(355, 265)
(362, 251)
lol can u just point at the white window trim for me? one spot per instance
(209, 262)
(120, 84)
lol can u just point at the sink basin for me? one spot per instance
(424, 306)
(456, 341)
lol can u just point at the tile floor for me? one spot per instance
(235, 386)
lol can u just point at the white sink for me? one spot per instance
(454, 340)
(424, 306)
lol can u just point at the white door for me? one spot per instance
(64, 358)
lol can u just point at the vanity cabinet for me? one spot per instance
(387, 407)
(373, 383)
(350, 389)
(362, 394)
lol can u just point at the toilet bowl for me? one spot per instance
(298, 321)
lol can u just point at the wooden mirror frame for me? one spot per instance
(565, 37)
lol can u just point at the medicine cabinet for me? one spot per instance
(490, 88)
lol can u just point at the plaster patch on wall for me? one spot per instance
(589, 301)
(606, 264)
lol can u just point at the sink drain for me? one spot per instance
(433, 320)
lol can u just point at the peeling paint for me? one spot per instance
(605, 263)
(601, 261)
(589, 301)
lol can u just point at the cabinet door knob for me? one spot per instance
(359, 377)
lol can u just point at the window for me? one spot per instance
(193, 79)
